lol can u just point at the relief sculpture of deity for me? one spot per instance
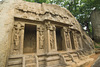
(51, 40)
(41, 41)
(41, 36)
(67, 40)
(17, 35)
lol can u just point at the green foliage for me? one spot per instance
(97, 46)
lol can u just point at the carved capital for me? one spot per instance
(49, 26)
(41, 28)
(65, 29)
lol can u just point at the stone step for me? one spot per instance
(52, 58)
(31, 64)
(14, 61)
(29, 56)
(29, 61)
(69, 63)
(74, 55)
(68, 59)
(15, 65)
(59, 65)
(65, 55)
(68, 66)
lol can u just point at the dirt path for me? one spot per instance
(95, 56)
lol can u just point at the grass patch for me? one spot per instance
(97, 46)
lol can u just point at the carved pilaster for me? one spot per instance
(40, 39)
(51, 37)
(75, 40)
(67, 38)
(41, 36)
(18, 37)
(79, 41)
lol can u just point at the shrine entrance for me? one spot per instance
(29, 39)
(59, 38)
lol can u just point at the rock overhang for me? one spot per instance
(42, 12)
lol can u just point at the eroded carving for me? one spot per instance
(41, 36)
(51, 28)
(17, 35)
(52, 39)
(67, 36)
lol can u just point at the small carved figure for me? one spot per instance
(68, 40)
(41, 36)
(51, 40)
(41, 41)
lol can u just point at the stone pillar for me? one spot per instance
(79, 41)
(75, 40)
(40, 39)
(69, 40)
(50, 38)
(66, 40)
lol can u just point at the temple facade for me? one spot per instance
(45, 35)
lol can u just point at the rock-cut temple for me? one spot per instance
(41, 35)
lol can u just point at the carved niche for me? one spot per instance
(41, 36)
(51, 28)
(18, 27)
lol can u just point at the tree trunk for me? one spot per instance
(95, 19)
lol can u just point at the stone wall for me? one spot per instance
(6, 24)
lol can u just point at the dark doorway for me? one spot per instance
(72, 40)
(59, 38)
(29, 39)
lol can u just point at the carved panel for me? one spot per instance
(75, 40)
(67, 36)
(52, 39)
(68, 40)
(51, 28)
(41, 36)
(18, 27)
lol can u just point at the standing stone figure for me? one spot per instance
(51, 40)
(41, 41)
(17, 36)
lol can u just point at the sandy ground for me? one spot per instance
(95, 56)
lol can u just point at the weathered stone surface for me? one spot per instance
(40, 35)
(6, 24)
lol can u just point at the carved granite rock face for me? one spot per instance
(40, 35)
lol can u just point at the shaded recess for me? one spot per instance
(59, 38)
(30, 39)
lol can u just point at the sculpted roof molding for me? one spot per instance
(41, 12)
